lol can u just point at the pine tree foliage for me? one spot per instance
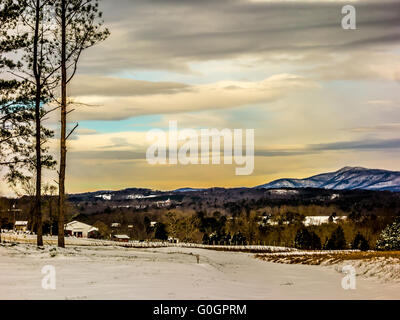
(307, 240)
(337, 240)
(360, 243)
(15, 119)
(390, 237)
(18, 87)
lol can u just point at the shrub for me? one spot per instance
(238, 238)
(337, 240)
(160, 231)
(360, 243)
(315, 241)
(103, 231)
(389, 239)
(307, 240)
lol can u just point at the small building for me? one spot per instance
(130, 226)
(21, 226)
(79, 229)
(107, 197)
(319, 220)
(153, 224)
(120, 237)
(163, 204)
(173, 240)
(115, 225)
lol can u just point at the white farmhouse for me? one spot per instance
(79, 229)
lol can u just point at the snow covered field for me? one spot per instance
(107, 272)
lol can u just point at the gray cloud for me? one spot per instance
(107, 155)
(110, 86)
(283, 153)
(361, 145)
(155, 34)
(376, 144)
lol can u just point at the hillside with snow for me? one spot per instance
(347, 178)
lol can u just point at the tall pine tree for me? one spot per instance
(32, 76)
(80, 27)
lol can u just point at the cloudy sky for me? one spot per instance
(319, 97)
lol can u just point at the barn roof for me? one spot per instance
(21, 223)
(121, 236)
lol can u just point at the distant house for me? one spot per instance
(120, 237)
(115, 225)
(173, 240)
(21, 226)
(318, 220)
(153, 224)
(79, 229)
(130, 226)
(162, 204)
(107, 197)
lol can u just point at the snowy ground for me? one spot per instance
(84, 272)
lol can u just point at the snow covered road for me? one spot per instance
(170, 273)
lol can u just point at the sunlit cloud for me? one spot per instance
(221, 95)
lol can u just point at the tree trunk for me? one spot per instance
(51, 214)
(63, 146)
(38, 204)
(38, 197)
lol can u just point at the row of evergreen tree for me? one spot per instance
(309, 240)
(388, 240)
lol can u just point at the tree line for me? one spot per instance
(41, 43)
(252, 227)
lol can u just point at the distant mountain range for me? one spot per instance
(188, 190)
(348, 178)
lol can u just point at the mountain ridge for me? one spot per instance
(346, 178)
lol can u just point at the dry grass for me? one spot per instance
(327, 258)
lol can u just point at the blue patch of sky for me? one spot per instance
(141, 123)
(207, 72)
